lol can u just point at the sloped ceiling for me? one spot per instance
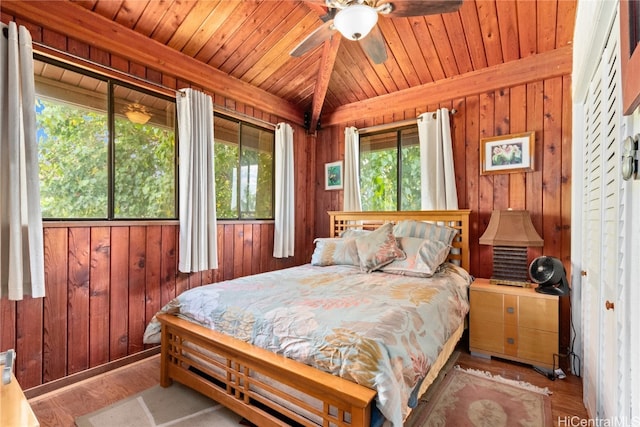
(251, 41)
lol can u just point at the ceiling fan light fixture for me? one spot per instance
(137, 113)
(355, 21)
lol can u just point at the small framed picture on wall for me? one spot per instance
(507, 153)
(333, 176)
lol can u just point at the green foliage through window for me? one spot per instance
(73, 150)
(243, 169)
(95, 163)
(390, 170)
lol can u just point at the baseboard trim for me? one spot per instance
(89, 373)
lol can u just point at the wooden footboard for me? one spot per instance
(242, 377)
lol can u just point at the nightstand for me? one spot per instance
(513, 323)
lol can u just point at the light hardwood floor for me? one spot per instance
(61, 407)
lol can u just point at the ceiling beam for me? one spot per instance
(538, 67)
(329, 54)
(79, 23)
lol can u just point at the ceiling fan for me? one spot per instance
(357, 19)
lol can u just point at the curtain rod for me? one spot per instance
(112, 72)
(407, 122)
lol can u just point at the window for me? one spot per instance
(243, 169)
(95, 161)
(390, 170)
(100, 161)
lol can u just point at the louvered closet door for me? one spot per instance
(602, 238)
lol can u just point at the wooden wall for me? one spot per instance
(104, 281)
(542, 106)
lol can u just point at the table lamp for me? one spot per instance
(510, 232)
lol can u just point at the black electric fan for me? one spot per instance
(550, 275)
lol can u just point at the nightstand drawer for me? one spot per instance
(538, 313)
(487, 307)
(486, 336)
(537, 346)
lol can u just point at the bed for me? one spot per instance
(316, 371)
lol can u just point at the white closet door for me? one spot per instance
(612, 285)
(603, 240)
(591, 235)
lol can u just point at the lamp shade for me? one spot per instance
(511, 228)
(355, 21)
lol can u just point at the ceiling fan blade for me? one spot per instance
(403, 8)
(331, 13)
(374, 46)
(317, 37)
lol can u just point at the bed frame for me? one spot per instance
(258, 384)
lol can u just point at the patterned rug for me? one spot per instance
(479, 399)
(457, 398)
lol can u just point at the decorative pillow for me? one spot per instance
(423, 257)
(378, 248)
(354, 232)
(425, 230)
(335, 251)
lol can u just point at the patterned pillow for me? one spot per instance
(378, 248)
(335, 251)
(425, 230)
(354, 232)
(423, 257)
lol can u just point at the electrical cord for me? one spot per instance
(573, 357)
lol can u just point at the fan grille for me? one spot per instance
(542, 270)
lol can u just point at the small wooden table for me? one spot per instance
(14, 407)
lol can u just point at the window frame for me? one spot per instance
(398, 178)
(111, 82)
(241, 123)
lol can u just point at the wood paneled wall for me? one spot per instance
(105, 281)
(542, 106)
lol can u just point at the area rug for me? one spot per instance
(458, 397)
(479, 399)
(176, 406)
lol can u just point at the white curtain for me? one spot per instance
(437, 178)
(198, 227)
(21, 242)
(284, 234)
(351, 188)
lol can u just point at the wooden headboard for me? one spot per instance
(458, 219)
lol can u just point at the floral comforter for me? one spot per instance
(379, 330)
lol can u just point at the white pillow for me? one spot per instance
(335, 251)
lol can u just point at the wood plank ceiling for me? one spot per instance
(251, 41)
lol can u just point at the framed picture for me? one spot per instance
(630, 54)
(333, 176)
(507, 153)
